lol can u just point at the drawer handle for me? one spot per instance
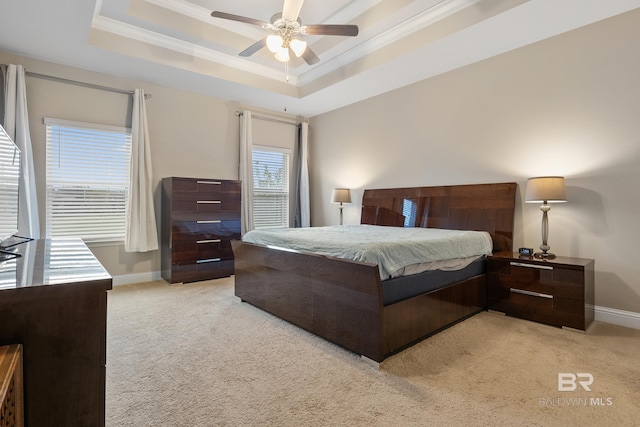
(210, 202)
(210, 221)
(540, 267)
(530, 293)
(209, 241)
(204, 261)
(210, 182)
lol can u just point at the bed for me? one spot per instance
(348, 302)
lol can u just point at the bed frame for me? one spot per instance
(342, 300)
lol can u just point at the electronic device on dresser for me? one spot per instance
(200, 216)
(558, 292)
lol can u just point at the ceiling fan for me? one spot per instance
(287, 29)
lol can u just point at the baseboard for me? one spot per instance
(628, 319)
(128, 279)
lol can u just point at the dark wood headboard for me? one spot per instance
(481, 207)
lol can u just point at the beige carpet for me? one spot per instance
(194, 355)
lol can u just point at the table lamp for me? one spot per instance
(341, 195)
(545, 190)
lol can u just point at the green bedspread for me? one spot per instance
(391, 248)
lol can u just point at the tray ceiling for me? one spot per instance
(177, 43)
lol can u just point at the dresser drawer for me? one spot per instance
(204, 196)
(229, 217)
(191, 252)
(204, 186)
(202, 205)
(192, 231)
(202, 271)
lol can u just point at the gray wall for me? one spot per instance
(567, 106)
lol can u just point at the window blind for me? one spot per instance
(409, 210)
(270, 187)
(87, 180)
(9, 177)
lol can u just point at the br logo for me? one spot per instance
(568, 381)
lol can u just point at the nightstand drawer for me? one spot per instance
(542, 308)
(538, 278)
(558, 292)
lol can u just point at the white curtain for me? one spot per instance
(303, 185)
(141, 234)
(246, 171)
(16, 123)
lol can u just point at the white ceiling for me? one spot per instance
(176, 43)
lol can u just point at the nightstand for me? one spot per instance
(557, 292)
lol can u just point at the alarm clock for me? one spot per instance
(525, 251)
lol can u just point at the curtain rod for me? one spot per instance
(269, 119)
(83, 84)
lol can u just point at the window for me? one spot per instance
(87, 180)
(9, 184)
(409, 210)
(270, 187)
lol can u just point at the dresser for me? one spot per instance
(200, 217)
(557, 291)
(53, 302)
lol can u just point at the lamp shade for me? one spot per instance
(274, 43)
(341, 195)
(548, 189)
(282, 55)
(298, 46)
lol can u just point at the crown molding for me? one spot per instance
(204, 15)
(336, 57)
(403, 29)
(149, 37)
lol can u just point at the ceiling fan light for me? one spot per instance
(298, 46)
(282, 54)
(274, 43)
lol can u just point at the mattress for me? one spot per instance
(397, 251)
(404, 287)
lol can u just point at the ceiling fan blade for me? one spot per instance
(254, 47)
(329, 30)
(310, 57)
(291, 9)
(232, 17)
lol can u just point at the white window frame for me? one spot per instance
(79, 201)
(276, 200)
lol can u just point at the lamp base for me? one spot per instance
(544, 255)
